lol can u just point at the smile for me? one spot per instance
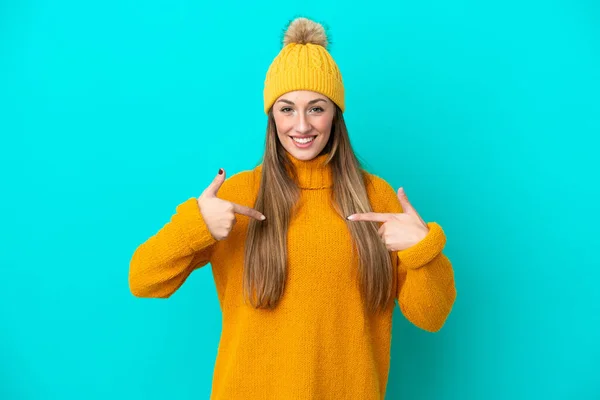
(304, 140)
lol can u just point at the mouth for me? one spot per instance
(303, 142)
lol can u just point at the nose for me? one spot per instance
(302, 125)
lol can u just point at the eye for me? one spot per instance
(317, 109)
(285, 109)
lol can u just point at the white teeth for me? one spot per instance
(303, 140)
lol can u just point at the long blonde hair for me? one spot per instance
(265, 259)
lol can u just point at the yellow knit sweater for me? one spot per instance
(318, 343)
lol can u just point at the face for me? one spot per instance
(303, 119)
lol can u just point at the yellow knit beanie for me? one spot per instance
(304, 64)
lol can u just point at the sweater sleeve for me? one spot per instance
(426, 287)
(161, 264)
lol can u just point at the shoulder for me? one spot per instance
(381, 193)
(377, 187)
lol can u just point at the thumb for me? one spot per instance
(215, 185)
(407, 208)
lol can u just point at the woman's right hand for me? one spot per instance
(219, 214)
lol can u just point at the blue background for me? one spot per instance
(113, 112)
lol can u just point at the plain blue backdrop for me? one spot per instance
(113, 112)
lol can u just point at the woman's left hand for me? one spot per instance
(398, 231)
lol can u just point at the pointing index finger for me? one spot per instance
(370, 216)
(247, 211)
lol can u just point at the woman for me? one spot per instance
(309, 252)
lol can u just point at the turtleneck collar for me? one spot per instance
(313, 174)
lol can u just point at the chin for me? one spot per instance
(304, 155)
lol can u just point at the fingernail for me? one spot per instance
(220, 171)
(262, 217)
(350, 217)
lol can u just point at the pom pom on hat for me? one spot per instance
(304, 64)
(303, 30)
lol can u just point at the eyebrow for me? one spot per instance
(310, 102)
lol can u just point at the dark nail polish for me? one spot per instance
(220, 171)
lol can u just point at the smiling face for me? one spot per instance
(303, 119)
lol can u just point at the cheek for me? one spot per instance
(324, 126)
(282, 126)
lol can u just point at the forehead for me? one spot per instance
(302, 96)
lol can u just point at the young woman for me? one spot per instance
(309, 252)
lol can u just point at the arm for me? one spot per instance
(426, 290)
(426, 287)
(161, 264)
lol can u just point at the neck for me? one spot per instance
(312, 174)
